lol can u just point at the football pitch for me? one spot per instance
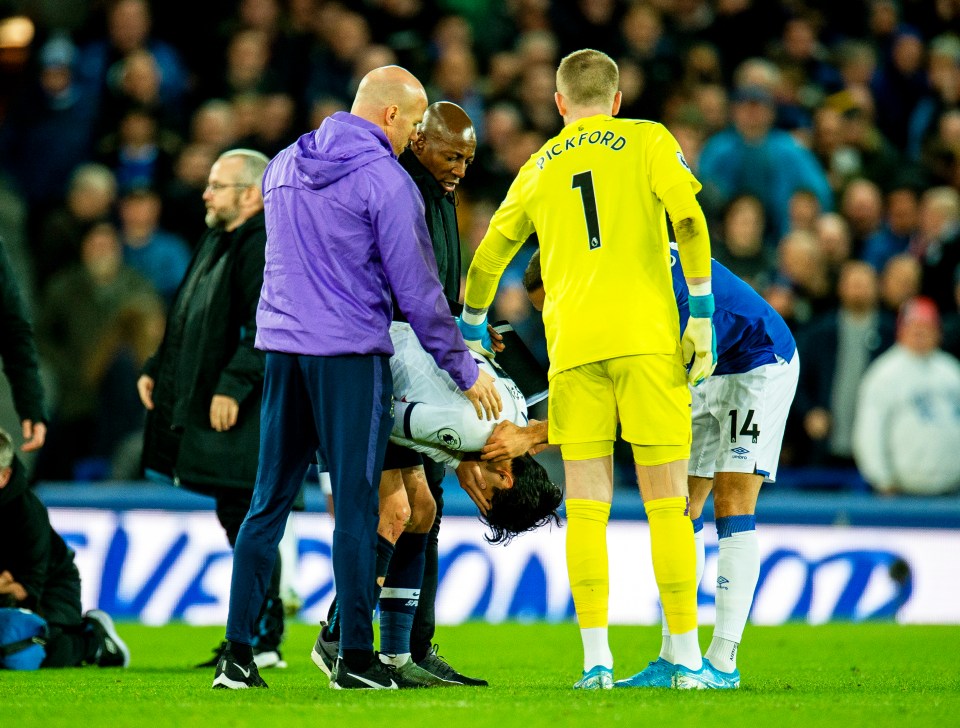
(794, 675)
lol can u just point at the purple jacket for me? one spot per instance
(345, 226)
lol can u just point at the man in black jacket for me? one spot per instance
(37, 572)
(18, 353)
(204, 385)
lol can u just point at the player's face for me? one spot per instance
(536, 298)
(498, 475)
(447, 156)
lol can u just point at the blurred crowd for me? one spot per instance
(826, 135)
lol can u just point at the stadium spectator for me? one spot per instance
(75, 308)
(53, 114)
(754, 158)
(740, 243)
(37, 572)
(907, 430)
(128, 29)
(862, 205)
(328, 367)
(833, 241)
(203, 386)
(899, 282)
(836, 350)
(91, 197)
(112, 370)
(801, 265)
(937, 244)
(157, 254)
(899, 225)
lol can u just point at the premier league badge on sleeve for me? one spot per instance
(683, 161)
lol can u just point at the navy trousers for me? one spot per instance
(341, 406)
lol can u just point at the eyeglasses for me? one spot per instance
(217, 186)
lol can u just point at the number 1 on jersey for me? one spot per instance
(584, 180)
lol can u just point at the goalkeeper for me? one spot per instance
(739, 416)
(595, 195)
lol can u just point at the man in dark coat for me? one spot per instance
(204, 385)
(18, 354)
(37, 572)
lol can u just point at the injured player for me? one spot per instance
(513, 494)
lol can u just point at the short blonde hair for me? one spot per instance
(588, 78)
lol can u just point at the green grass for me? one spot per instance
(846, 675)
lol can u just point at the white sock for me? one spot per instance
(666, 646)
(686, 649)
(738, 569)
(395, 660)
(723, 654)
(596, 648)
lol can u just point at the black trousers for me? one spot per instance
(232, 505)
(70, 642)
(425, 620)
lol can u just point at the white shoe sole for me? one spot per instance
(105, 621)
(318, 661)
(222, 681)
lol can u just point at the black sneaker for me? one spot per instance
(217, 654)
(324, 652)
(231, 675)
(111, 650)
(376, 677)
(438, 667)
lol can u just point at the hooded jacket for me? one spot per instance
(345, 227)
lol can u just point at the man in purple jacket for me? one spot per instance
(345, 227)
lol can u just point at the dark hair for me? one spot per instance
(532, 278)
(531, 502)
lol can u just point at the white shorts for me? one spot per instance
(739, 419)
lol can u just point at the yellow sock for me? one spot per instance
(674, 561)
(587, 560)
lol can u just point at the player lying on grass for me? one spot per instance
(739, 415)
(513, 494)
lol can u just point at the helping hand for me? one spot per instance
(485, 397)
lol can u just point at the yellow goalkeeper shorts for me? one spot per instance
(646, 393)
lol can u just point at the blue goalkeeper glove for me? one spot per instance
(699, 341)
(477, 337)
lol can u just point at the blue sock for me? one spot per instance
(729, 525)
(697, 524)
(401, 593)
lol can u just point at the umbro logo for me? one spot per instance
(740, 451)
(722, 582)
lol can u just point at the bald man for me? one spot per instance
(411, 496)
(345, 229)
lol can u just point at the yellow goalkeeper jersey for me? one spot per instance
(592, 195)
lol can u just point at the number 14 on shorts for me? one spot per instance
(749, 429)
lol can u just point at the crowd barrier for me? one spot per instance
(155, 554)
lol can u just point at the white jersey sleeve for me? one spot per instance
(431, 412)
